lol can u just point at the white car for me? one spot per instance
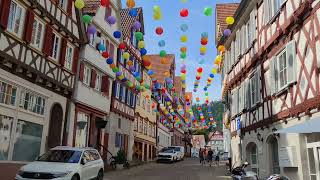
(65, 163)
(168, 155)
(179, 150)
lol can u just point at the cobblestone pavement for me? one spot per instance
(189, 169)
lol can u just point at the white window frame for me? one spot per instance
(118, 91)
(5, 95)
(98, 82)
(86, 75)
(282, 69)
(63, 4)
(32, 102)
(69, 56)
(36, 34)
(12, 19)
(56, 46)
(254, 86)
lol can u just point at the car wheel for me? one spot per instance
(75, 177)
(100, 175)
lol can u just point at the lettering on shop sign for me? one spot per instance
(123, 108)
(132, 49)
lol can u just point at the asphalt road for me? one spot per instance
(189, 169)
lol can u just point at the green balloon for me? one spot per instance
(139, 36)
(207, 11)
(206, 94)
(183, 55)
(116, 69)
(86, 18)
(163, 53)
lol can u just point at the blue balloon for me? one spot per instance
(161, 43)
(101, 47)
(212, 75)
(150, 72)
(133, 12)
(117, 34)
(109, 61)
(136, 74)
(184, 27)
(205, 89)
(143, 51)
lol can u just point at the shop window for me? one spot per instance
(6, 124)
(32, 102)
(7, 94)
(28, 135)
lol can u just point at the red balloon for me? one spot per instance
(204, 42)
(122, 46)
(105, 3)
(183, 71)
(105, 54)
(159, 30)
(146, 63)
(209, 80)
(184, 12)
(163, 90)
(198, 78)
(199, 70)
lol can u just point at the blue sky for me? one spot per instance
(197, 23)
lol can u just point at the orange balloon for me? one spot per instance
(163, 61)
(112, 65)
(221, 48)
(130, 63)
(183, 49)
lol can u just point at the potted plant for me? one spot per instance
(120, 159)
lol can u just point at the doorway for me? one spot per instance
(273, 154)
(314, 160)
(55, 126)
(252, 156)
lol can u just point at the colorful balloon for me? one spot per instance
(184, 27)
(131, 3)
(159, 30)
(101, 47)
(91, 29)
(139, 36)
(122, 46)
(207, 11)
(229, 20)
(161, 43)
(86, 19)
(141, 44)
(117, 34)
(109, 61)
(79, 4)
(184, 12)
(136, 25)
(184, 38)
(105, 54)
(143, 51)
(111, 20)
(227, 32)
(163, 53)
(221, 48)
(126, 55)
(133, 12)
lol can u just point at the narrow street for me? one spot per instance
(189, 169)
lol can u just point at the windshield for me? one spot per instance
(62, 156)
(167, 151)
(175, 148)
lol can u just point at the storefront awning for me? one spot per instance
(309, 126)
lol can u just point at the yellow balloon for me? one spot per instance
(229, 20)
(148, 67)
(218, 58)
(131, 3)
(126, 55)
(183, 86)
(141, 44)
(157, 16)
(184, 38)
(203, 49)
(79, 4)
(214, 71)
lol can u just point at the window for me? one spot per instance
(254, 87)
(124, 92)
(16, 18)
(119, 123)
(82, 130)
(69, 57)
(128, 97)
(6, 124)
(118, 140)
(28, 135)
(56, 41)
(143, 102)
(140, 125)
(63, 4)
(117, 85)
(37, 34)
(32, 102)
(7, 94)
(98, 82)
(272, 7)
(283, 68)
(145, 130)
(87, 75)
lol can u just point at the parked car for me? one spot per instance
(179, 150)
(167, 155)
(64, 163)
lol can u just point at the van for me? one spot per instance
(179, 150)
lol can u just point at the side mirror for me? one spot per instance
(83, 161)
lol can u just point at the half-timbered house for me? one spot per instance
(39, 49)
(92, 97)
(271, 72)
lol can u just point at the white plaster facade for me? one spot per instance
(164, 137)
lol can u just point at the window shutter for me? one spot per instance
(105, 85)
(4, 13)
(63, 52)
(47, 47)
(75, 60)
(93, 78)
(29, 26)
(266, 11)
(111, 51)
(291, 61)
(258, 85)
(272, 75)
(252, 25)
(275, 74)
(81, 71)
(69, 7)
(248, 93)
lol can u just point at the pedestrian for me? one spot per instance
(210, 156)
(201, 156)
(217, 159)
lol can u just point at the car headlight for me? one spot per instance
(56, 175)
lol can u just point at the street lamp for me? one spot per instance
(259, 137)
(274, 130)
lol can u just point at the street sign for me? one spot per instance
(238, 123)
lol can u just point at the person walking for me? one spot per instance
(201, 156)
(210, 156)
(217, 159)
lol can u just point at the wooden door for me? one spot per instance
(55, 126)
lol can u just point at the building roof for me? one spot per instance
(159, 69)
(91, 6)
(222, 12)
(127, 21)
